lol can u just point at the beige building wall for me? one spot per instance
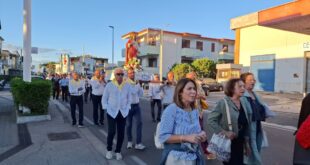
(288, 48)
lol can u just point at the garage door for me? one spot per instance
(263, 68)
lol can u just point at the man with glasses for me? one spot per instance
(116, 100)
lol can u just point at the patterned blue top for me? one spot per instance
(176, 121)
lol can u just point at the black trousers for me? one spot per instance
(77, 100)
(64, 93)
(118, 123)
(236, 156)
(158, 102)
(56, 92)
(97, 103)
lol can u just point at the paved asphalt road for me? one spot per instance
(281, 140)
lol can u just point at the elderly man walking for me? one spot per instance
(76, 89)
(116, 100)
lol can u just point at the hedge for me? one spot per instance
(34, 95)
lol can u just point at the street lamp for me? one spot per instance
(112, 27)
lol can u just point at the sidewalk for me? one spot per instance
(56, 142)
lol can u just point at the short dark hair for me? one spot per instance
(230, 86)
(177, 99)
(243, 76)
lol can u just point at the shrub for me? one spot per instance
(34, 95)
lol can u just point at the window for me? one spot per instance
(235, 74)
(225, 48)
(223, 74)
(151, 40)
(152, 62)
(199, 45)
(186, 43)
(213, 47)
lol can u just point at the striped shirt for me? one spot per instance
(176, 121)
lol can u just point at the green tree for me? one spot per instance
(180, 70)
(50, 67)
(205, 67)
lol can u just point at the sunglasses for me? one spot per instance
(120, 74)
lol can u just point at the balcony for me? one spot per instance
(150, 70)
(191, 52)
(225, 56)
(148, 50)
(144, 50)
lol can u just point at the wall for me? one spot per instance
(171, 52)
(288, 48)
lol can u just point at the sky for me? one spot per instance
(76, 24)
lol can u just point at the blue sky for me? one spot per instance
(72, 24)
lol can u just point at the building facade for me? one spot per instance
(87, 64)
(177, 48)
(9, 61)
(274, 44)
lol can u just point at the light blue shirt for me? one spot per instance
(116, 100)
(136, 93)
(155, 91)
(64, 82)
(176, 121)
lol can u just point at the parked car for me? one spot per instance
(206, 89)
(212, 84)
(33, 77)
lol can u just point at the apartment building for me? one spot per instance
(177, 48)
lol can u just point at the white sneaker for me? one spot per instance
(109, 155)
(140, 146)
(119, 156)
(129, 145)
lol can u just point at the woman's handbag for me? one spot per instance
(158, 145)
(219, 144)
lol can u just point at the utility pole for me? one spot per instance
(161, 55)
(27, 41)
(112, 27)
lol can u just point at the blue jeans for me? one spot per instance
(136, 113)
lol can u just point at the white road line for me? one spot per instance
(280, 127)
(138, 160)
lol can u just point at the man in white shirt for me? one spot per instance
(76, 89)
(64, 82)
(168, 89)
(134, 112)
(156, 96)
(98, 84)
(116, 100)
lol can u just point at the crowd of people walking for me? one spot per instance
(180, 106)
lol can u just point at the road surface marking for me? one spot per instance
(137, 160)
(281, 127)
